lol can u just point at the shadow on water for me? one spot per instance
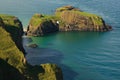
(37, 56)
(65, 40)
(9, 72)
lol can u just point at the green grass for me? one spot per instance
(9, 20)
(8, 50)
(11, 57)
(36, 20)
(95, 18)
(39, 19)
(12, 25)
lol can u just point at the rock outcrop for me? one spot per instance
(14, 26)
(41, 24)
(13, 64)
(9, 52)
(75, 19)
(66, 18)
(52, 70)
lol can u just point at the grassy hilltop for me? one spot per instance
(66, 18)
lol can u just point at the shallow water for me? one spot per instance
(81, 55)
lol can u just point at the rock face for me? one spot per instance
(41, 24)
(46, 72)
(9, 52)
(52, 70)
(67, 8)
(75, 19)
(14, 26)
(66, 18)
(13, 64)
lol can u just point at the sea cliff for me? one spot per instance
(13, 64)
(66, 18)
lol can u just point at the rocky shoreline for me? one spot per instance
(66, 18)
(13, 64)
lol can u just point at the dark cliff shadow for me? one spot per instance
(16, 35)
(37, 56)
(8, 72)
(33, 71)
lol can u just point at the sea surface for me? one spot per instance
(81, 55)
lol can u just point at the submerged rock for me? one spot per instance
(33, 45)
(66, 18)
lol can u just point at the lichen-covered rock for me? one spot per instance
(41, 24)
(75, 19)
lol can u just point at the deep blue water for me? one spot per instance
(81, 55)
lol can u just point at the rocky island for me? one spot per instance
(66, 18)
(13, 64)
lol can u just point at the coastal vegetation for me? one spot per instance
(66, 18)
(14, 27)
(13, 64)
(42, 24)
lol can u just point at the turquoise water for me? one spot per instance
(81, 55)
